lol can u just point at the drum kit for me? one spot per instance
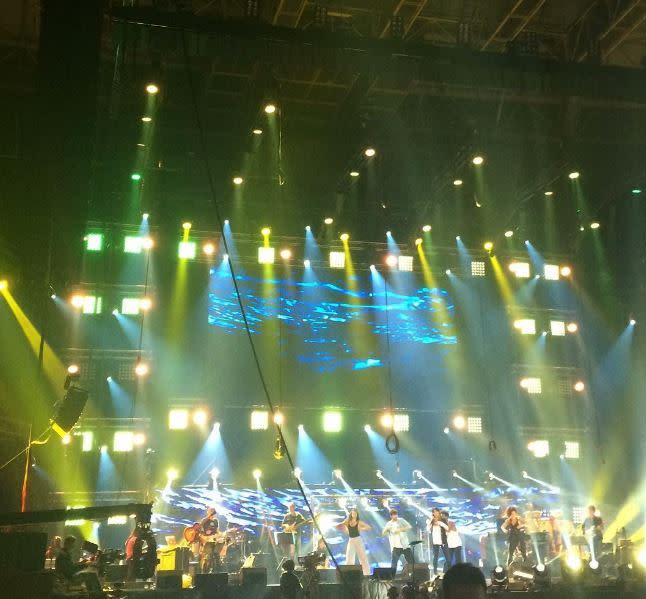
(229, 545)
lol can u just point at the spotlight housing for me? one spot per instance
(477, 160)
(369, 152)
(329, 220)
(237, 180)
(574, 175)
(270, 108)
(257, 473)
(344, 237)
(152, 89)
(509, 234)
(457, 182)
(426, 228)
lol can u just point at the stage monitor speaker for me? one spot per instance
(69, 410)
(422, 572)
(352, 575)
(169, 580)
(255, 576)
(211, 583)
(382, 573)
(177, 559)
(22, 551)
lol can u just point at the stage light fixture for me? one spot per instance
(391, 260)
(214, 473)
(367, 428)
(551, 272)
(532, 384)
(142, 369)
(427, 228)
(520, 269)
(139, 439)
(145, 303)
(499, 577)
(306, 263)
(373, 268)
(549, 193)
(369, 152)
(566, 271)
(301, 428)
(266, 255)
(526, 326)
(279, 418)
(88, 441)
(147, 243)
(478, 268)
(572, 327)
(557, 328)
(130, 306)
(73, 369)
(4, 284)
(354, 173)
(332, 421)
(237, 180)
(540, 448)
(524, 474)
(328, 220)
(387, 420)
(178, 419)
(187, 226)
(574, 175)
(259, 420)
(257, 131)
(488, 246)
(447, 430)
(632, 322)
(594, 225)
(447, 271)
(152, 89)
(225, 257)
(337, 259)
(419, 241)
(405, 263)
(66, 439)
(146, 119)
(115, 312)
(401, 423)
(135, 177)
(208, 248)
(200, 417)
(579, 386)
(132, 244)
(103, 449)
(509, 234)
(474, 424)
(94, 242)
(572, 450)
(457, 182)
(379, 474)
(172, 475)
(123, 441)
(286, 254)
(257, 473)
(187, 250)
(344, 237)
(270, 108)
(459, 422)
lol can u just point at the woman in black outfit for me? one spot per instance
(356, 548)
(514, 528)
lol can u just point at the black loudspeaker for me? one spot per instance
(69, 411)
(116, 572)
(22, 551)
(255, 576)
(352, 575)
(382, 573)
(422, 572)
(211, 583)
(170, 580)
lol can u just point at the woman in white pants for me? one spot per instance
(356, 548)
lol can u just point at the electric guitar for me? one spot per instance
(293, 528)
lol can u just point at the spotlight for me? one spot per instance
(72, 369)
(286, 254)
(279, 419)
(387, 420)
(152, 89)
(572, 327)
(379, 474)
(298, 473)
(109, 379)
(172, 474)
(566, 271)
(594, 225)
(446, 430)
(419, 241)
(389, 234)
(488, 246)
(457, 182)
(139, 439)
(146, 119)
(208, 249)
(367, 428)
(257, 131)
(257, 473)
(549, 193)
(594, 564)
(337, 473)
(66, 440)
(509, 234)
(225, 257)
(145, 304)
(579, 386)
(270, 108)
(344, 237)
(141, 369)
(391, 260)
(200, 417)
(477, 160)
(147, 243)
(238, 180)
(265, 231)
(103, 449)
(574, 175)
(354, 173)
(215, 472)
(115, 312)
(373, 268)
(216, 427)
(458, 238)
(4, 284)
(135, 176)
(186, 226)
(499, 576)
(301, 428)
(328, 220)
(370, 152)
(573, 562)
(448, 271)
(417, 474)
(632, 322)
(308, 228)
(459, 422)
(306, 263)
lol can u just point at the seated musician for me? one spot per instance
(65, 566)
(210, 552)
(291, 523)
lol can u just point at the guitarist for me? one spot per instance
(593, 530)
(292, 521)
(210, 554)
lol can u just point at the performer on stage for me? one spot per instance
(134, 551)
(292, 521)
(355, 547)
(209, 546)
(437, 526)
(514, 528)
(592, 528)
(396, 529)
(454, 543)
